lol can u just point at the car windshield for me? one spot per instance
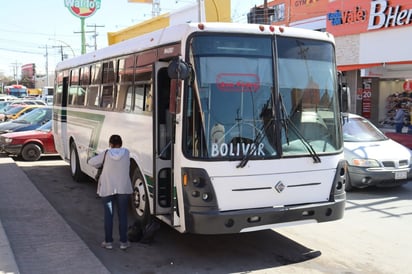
(14, 110)
(358, 129)
(46, 127)
(36, 116)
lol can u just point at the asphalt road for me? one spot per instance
(375, 236)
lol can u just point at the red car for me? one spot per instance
(402, 138)
(31, 144)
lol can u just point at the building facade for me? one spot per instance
(372, 47)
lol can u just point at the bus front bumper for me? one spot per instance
(215, 222)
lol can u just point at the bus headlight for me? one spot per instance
(197, 188)
(205, 196)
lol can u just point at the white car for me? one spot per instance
(373, 159)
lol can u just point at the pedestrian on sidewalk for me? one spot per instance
(114, 187)
(399, 117)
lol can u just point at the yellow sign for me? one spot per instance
(215, 11)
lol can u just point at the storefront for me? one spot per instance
(372, 45)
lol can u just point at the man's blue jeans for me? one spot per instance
(399, 127)
(121, 201)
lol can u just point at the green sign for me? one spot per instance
(82, 8)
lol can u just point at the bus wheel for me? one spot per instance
(31, 152)
(76, 172)
(140, 200)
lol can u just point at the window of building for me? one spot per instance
(278, 13)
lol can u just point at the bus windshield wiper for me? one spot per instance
(259, 137)
(286, 122)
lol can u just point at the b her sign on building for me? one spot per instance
(82, 8)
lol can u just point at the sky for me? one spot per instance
(35, 31)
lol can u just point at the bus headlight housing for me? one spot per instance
(197, 188)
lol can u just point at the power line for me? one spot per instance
(20, 51)
(95, 33)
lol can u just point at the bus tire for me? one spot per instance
(140, 199)
(31, 152)
(75, 169)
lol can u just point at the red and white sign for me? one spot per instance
(407, 86)
(83, 8)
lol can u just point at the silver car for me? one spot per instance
(373, 159)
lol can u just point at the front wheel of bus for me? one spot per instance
(75, 169)
(140, 200)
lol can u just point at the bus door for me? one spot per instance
(163, 148)
(60, 118)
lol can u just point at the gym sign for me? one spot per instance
(82, 8)
(359, 16)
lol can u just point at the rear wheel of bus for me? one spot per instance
(75, 169)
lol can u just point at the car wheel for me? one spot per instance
(31, 152)
(140, 200)
(75, 169)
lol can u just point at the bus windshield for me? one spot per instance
(261, 97)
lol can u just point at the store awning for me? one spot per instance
(358, 66)
(370, 65)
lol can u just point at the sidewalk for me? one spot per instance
(34, 238)
(7, 260)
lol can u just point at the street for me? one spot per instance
(374, 236)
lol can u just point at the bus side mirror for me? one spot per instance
(178, 69)
(344, 99)
(344, 94)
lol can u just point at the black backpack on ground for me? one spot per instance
(144, 235)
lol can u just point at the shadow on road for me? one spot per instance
(171, 252)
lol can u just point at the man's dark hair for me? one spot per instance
(116, 140)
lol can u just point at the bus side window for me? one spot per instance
(93, 96)
(107, 97)
(124, 98)
(148, 99)
(139, 101)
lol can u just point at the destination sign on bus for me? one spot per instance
(238, 82)
(239, 149)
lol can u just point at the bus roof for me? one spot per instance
(176, 33)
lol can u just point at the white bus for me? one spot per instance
(231, 127)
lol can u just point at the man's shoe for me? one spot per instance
(107, 245)
(124, 246)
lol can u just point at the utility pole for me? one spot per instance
(83, 32)
(15, 69)
(265, 12)
(155, 8)
(47, 65)
(61, 50)
(95, 33)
